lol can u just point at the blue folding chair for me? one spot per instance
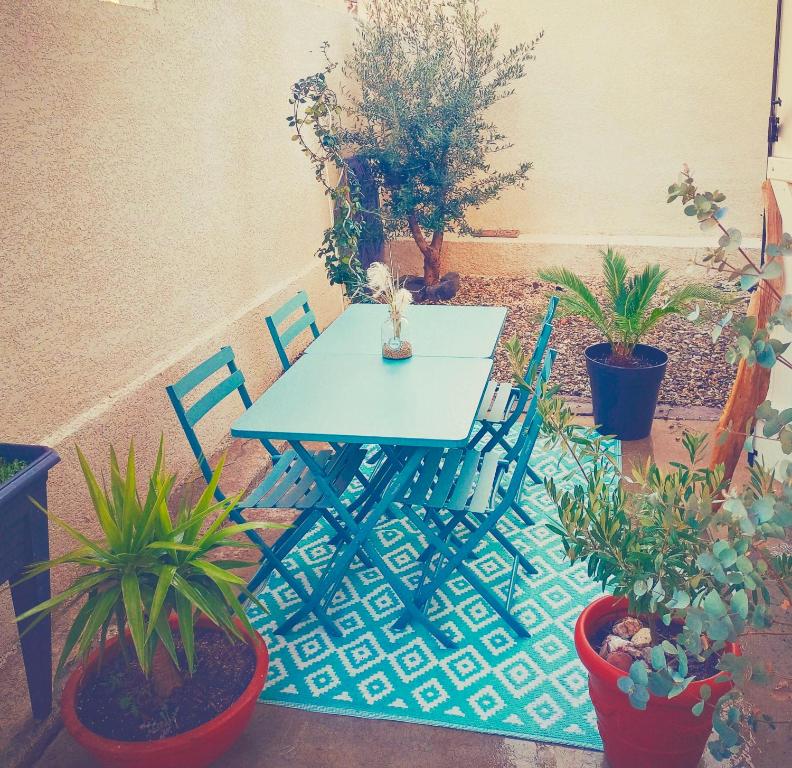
(465, 487)
(282, 338)
(503, 404)
(288, 484)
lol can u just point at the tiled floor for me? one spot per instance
(288, 738)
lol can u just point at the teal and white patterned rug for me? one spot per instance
(494, 682)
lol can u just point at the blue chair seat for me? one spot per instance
(460, 479)
(291, 485)
(498, 402)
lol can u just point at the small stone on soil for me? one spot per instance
(627, 627)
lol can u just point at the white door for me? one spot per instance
(779, 171)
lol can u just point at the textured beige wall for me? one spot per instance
(620, 94)
(152, 209)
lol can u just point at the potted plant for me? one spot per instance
(24, 470)
(177, 682)
(625, 375)
(660, 650)
(423, 75)
(689, 557)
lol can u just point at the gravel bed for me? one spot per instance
(697, 374)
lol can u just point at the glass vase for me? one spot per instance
(395, 335)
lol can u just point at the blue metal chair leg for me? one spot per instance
(514, 552)
(285, 543)
(526, 519)
(456, 562)
(277, 564)
(538, 480)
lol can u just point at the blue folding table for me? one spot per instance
(405, 406)
(435, 331)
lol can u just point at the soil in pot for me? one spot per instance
(699, 670)
(120, 703)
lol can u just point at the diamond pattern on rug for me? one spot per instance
(494, 682)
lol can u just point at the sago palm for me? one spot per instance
(630, 311)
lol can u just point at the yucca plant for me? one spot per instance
(631, 310)
(148, 565)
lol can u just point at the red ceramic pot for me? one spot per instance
(196, 748)
(664, 735)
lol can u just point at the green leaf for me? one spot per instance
(639, 698)
(739, 603)
(165, 636)
(76, 630)
(763, 508)
(130, 589)
(772, 270)
(160, 593)
(106, 602)
(218, 574)
(698, 708)
(100, 502)
(184, 612)
(84, 584)
(625, 684)
(748, 281)
(713, 605)
(638, 673)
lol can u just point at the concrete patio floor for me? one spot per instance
(280, 737)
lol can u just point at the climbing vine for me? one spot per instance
(315, 118)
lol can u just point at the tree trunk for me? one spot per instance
(372, 235)
(429, 250)
(164, 674)
(751, 383)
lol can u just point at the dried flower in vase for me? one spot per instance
(385, 289)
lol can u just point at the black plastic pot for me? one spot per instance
(24, 540)
(624, 399)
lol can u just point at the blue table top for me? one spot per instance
(361, 398)
(434, 331)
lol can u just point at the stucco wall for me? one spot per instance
(620, 94)
(153, 209)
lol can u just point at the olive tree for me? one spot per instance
(423, 75)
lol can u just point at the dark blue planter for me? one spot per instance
(624, 399)
(24, 540)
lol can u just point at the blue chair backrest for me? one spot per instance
(551, 310)
(189, 416)
(546, 329)
(282, 338)
(529, 432)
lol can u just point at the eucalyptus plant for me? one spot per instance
(148, 564)
(681, 544)
(632, 308)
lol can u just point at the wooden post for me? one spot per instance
(751, 383)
